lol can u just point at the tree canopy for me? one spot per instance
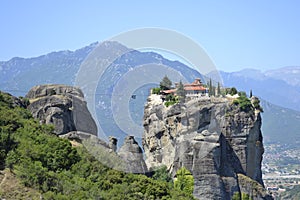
(181, 93)
(165, 84)
(184, 181)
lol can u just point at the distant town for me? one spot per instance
(280, 167)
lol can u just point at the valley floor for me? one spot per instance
(281, 168)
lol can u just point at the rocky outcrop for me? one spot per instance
(101, 151)
(132, 154)
(113, 143)
(63, 106)
(129, 158)
(212, 138)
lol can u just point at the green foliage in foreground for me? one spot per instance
(161, 173)
(52, 166)
(184, 180)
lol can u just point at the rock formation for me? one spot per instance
(132, 154)
(113, 143)
(213, 139)
(63, 106)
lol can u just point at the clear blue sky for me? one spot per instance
(236, 35)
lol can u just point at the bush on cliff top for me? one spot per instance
(244, 103)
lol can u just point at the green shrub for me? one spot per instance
(242, 93)
(236, 196)
(161, 173)
(170, 97)
(156, 90)
(256, 105)
(246, 196)
(170, 103)
(244, 103)
(232, 91)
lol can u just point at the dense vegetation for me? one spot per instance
(50, 164)
(184, 180)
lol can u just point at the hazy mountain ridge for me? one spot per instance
(280, 124)
(290, 74)
(275, 90)
(18, 75)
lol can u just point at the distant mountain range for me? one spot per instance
(280, 125)
(280, 88)
(18, 75)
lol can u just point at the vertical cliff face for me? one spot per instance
(212, 138)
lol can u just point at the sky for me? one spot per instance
(235, 34)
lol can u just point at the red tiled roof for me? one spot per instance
(195, 88)
(169, 91)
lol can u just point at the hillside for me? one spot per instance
(281, 125)
(38, 164)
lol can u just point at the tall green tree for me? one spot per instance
(219, 89)
(181, 93)
(184, 181)
(210, 87)
(161, 173)
(165, 84)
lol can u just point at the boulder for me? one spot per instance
(63, 106)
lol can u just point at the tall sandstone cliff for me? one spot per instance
(221, 145)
